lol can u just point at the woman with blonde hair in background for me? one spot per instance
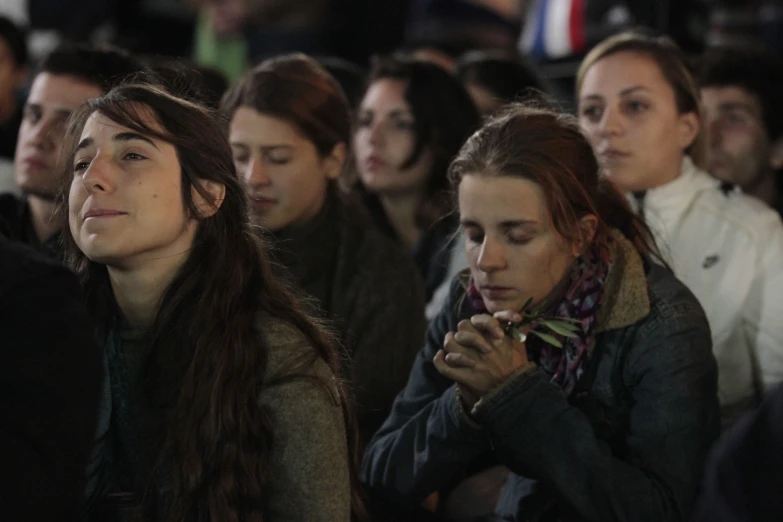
(639, 105)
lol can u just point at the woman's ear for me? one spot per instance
(587, 227)
(688, 129)
(20, 77)
(208, 205)
(776, 154)
(333, 163)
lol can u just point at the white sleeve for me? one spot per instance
(763, 314)
(458, 261)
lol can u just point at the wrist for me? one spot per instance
(467, 398)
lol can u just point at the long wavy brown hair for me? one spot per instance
(208, 357)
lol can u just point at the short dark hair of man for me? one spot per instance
(16, 39)
(752, 68)
(105, 67)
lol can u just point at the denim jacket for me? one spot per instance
(629, 444)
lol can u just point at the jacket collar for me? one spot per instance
(626, 300)
(681, 191)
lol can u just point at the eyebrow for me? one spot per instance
(624, 92)
(129, 136)
(63, 113)
(122, 136)
(733, 106)
(503, 224)
(631, 90)
(263, 147)
(396, 113)
(269, 148)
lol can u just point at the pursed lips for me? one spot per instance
(102, 213)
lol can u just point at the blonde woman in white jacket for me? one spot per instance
(639, 106)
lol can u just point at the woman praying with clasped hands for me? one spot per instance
(568, 377)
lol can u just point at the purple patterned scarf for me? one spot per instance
(581, 301)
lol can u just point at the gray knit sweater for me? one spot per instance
(310, 478)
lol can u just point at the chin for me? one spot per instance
(370, 185)
(98, 250)
(104, 256)
(31, 187)
(722, 174)
(376, 183)
(494, 307)
(270, 222)
(627, 183)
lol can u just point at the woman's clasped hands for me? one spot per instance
(481, 356)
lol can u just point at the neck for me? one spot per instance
(765, 189)
(7, 108)
(400, 209)
(667, 175)
(550, 303)
(138, 290)
(42, 213)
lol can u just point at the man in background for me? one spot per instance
(67, 78)
(740, 91)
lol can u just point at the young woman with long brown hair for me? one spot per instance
(410, 124)
(608, 414)
(289, 131)
(220, 401)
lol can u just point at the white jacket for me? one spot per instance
(728, 249)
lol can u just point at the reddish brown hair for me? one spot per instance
(548, 148)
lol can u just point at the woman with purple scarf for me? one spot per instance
(569, 377)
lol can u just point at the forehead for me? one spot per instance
(617, 72)
(715, 97)
(61, 91)
(386, 93)
(250, 126)
(488, 199)
(5, 49)
(100, 127)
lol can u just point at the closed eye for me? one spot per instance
(278, 157)
(474, 236)
(519, 240)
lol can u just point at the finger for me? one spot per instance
(459, 360)
(466, 342)
(487, 323)
(509, 316)
(455, 374)
(440, 361)
(452, 346)
(465, 326)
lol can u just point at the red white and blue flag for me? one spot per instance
(554, 29)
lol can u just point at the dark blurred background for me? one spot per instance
(230, 35)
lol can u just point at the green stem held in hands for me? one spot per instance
(538, 323)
